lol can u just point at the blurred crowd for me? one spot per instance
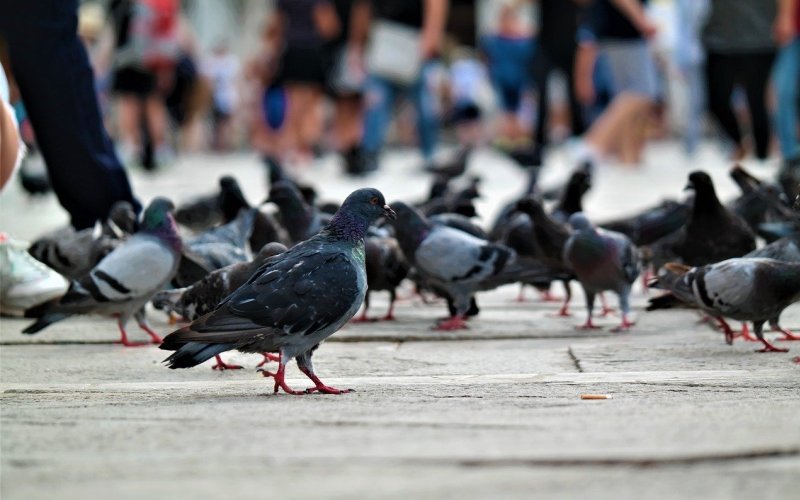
(345, 76)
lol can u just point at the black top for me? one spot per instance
(344, 9)
(558, 22)
(300, 29)
(121, 14)
(408, 12)
(609, 23)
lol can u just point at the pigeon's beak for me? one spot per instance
(389, 213)
(689, 187)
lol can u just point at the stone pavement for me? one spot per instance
(493, 412)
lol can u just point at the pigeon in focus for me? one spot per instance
(449, 259)
(386, 269)
(602, 260)
(294, 301)
(744, 289)
(127, 278)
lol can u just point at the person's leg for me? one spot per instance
(577, 123)
(697, 104)
(128, 114)
(786, 78)
(757, 67)
(379, 100)
(312, 123)
(541, 72)
(57, 87)
(347, 122)
(426, 104)
(720, 79)
(156, 116)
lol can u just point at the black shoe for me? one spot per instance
(359, 162)
(527, 157)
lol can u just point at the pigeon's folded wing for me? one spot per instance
(454, 256)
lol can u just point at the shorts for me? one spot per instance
(132, 80)
(308, 65)
(632, 67)
(510, 97)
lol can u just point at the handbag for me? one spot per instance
(393, 52)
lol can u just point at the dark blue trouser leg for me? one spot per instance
(57, 86)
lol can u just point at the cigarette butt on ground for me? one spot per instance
(595, 396)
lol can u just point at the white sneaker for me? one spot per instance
(24, 281)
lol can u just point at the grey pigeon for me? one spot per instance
(294, 301)
(744, 289)
(74, 253)
(301, 220)
(125, 280)
(226, 244)
(601, 260)
(204, 296)
(386, 269)
(452, 260)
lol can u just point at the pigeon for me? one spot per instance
(460, 222)
(745, 289)
(652, 224)
(125, 280)
(386, 269)
(74, 253)
(713, 233)
(200, 214)
(301, 220)
(549, 239)
(203, 296)
(571, 200)
(294, 301)
(786, 249)
(459, 202)
(266, 229)
(226, 244)
(602, 260)
(452, 168)
(449, 259)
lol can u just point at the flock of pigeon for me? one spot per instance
(279, 282)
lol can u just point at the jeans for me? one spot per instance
(55, 79)
(696, 91)
(380, 98)
(786, 78)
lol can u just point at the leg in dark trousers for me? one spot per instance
(566, 63)
(542, 66)
(57, 86)
(755, 72)
(721, 72)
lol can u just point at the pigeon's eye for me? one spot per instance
(374, 200)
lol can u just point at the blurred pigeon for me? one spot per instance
(549, 238)
(786, 249)
(226, 244)
(450, 259)
(744, 289)
(265, 228)
(601, 260)
(199, 214)
(294, 301)
(301, 220)
(571, 200)
(712, 234)
(653, 223)
(125, 280)
(453, 167)
(386, 269)
(460, 222)
(459, 202)
(74, 253)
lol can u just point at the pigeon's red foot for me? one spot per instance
(589, 325)
(454, 323)
(320, 387)
(154, 337)
(123, 339)
(546, 296)
(770, 348)
(564, 311)
(280, 383)
(726, 328)
(746, 335)
(221, 365)
(625, 325)
(796, 359)
(788, 335)
(268, 356)
(389, 317)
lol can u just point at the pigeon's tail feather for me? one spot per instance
(45, 321)
(193, 353)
